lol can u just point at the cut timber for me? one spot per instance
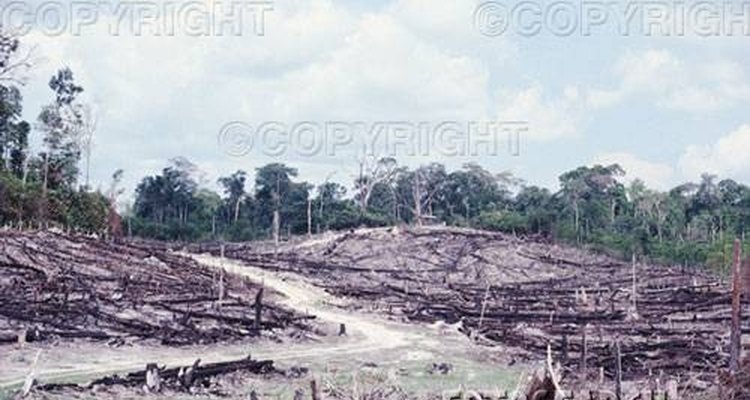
(171, 376)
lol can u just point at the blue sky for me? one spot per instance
(666, 108)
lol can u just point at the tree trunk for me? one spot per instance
(417, 194)
(237, 209)
(309, 217)
(735, 344)
(258, 309)
(276, 228)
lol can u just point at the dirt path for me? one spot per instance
(370, 338)
(371, 333)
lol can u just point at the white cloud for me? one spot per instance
(415, 60)
(674, 83)
(727, 157)
(655, 175)
(548, 118)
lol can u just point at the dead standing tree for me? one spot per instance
(88, 125)
(276, 196)
(423, 190)
(14, 61)
(735, 346)
(114, 221)
(372, 174)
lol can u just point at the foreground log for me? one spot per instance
(173, 377)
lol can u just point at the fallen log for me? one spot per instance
(171, 377)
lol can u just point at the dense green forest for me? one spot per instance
(691, 224)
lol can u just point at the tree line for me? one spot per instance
(691, 224)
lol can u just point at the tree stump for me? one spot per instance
(187, 375)
(258, 309)
(314, 390)
(153, 381)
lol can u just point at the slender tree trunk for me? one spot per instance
(276, 227)
(237, 209)
(88, 166)
(576, 216)
(735, 344)
(320, 212)
(309, 217)
(46, 174)
(418, 206)
(43, 210)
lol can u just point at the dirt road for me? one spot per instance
(371, 333)
(370, 338)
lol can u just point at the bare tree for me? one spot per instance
(15, 61)
(87, 127)
(114, 221)
(115, 190)
(426, 182)
(371, 173)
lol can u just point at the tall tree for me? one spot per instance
(474, 189)
(277, 194)
(419, 189)
(593, 194)
(13, 131)
(62, 123)
(234, 189)
(374, 173)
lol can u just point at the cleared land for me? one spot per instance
(433, 307)
(525, 294)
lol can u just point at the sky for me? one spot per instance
(665, 106)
